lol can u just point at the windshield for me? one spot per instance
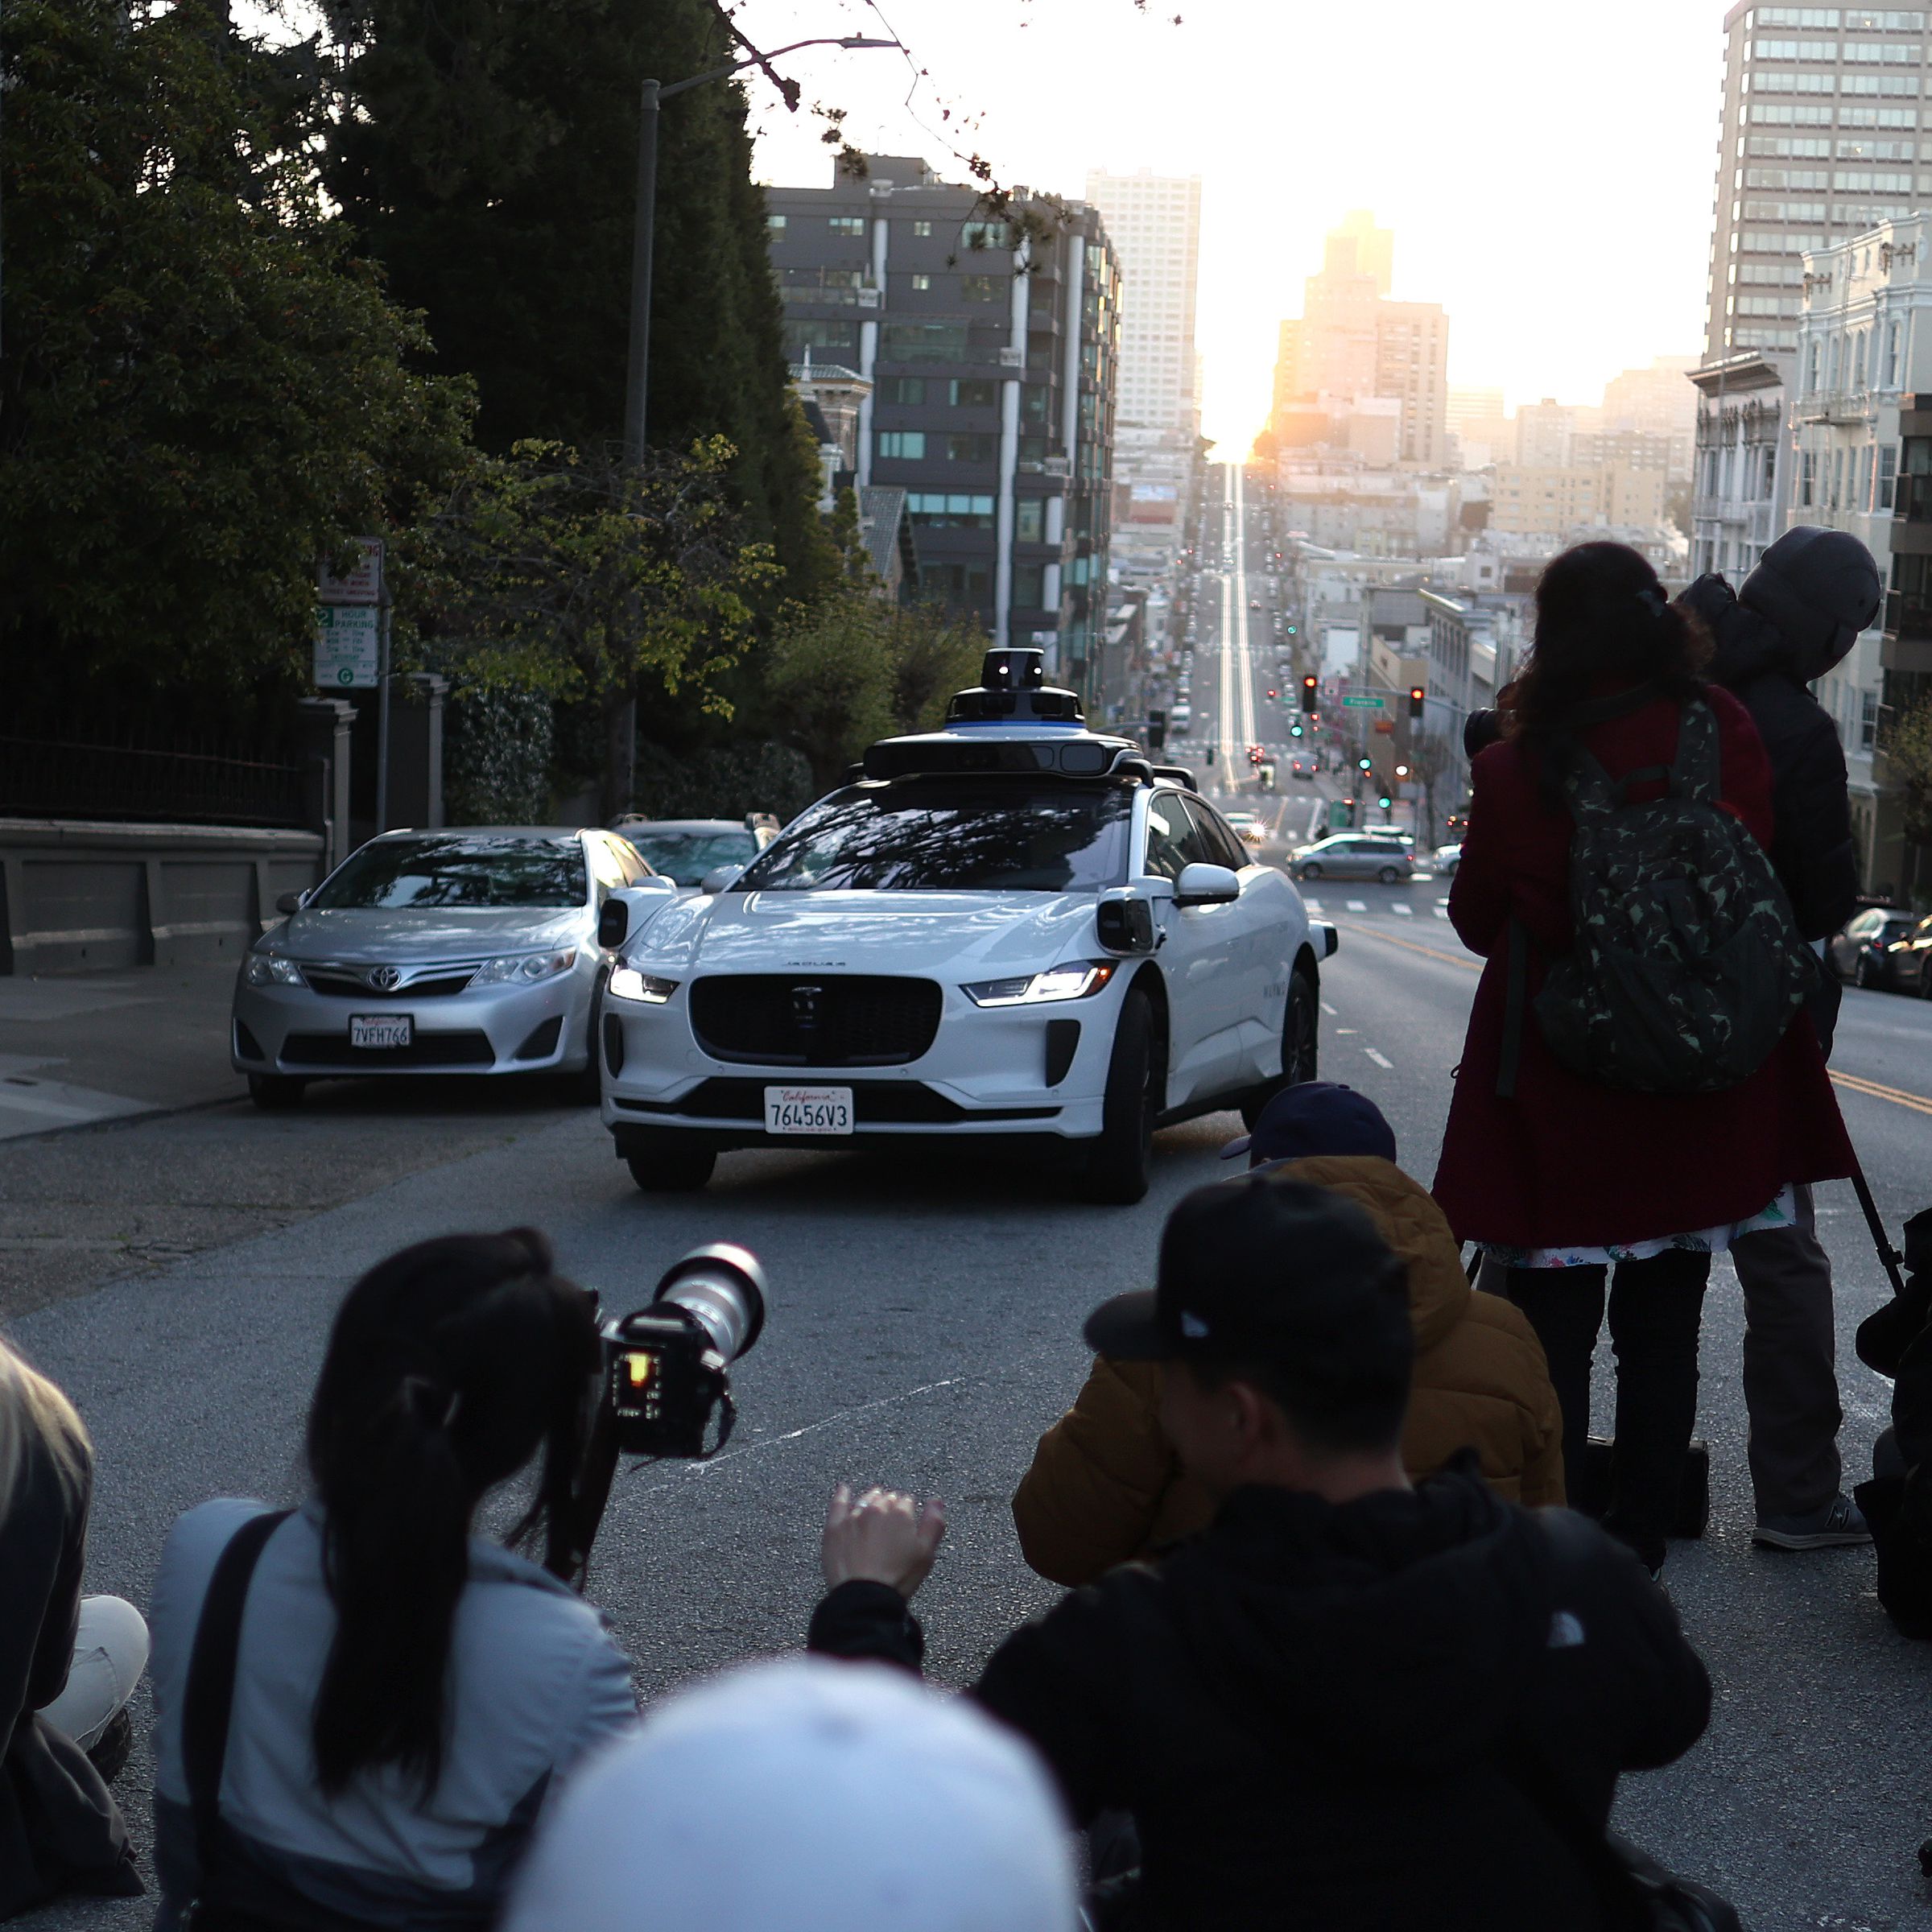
(478, 873)
(922, 835)
(688, 856)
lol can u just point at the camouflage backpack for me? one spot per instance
(1687, 966)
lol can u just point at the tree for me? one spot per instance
(854, 667)
(1908, 764)
(574, 576)
(204, 390)
(489, 163)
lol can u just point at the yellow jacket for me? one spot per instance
(1106, 1487)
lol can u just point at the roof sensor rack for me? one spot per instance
(1013, 689)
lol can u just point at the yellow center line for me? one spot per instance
(1856, 1083)
(1410, 946)
(1852, 1082)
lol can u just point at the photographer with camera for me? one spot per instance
(363, 1702)
(1351, 1702)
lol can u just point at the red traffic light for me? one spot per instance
(1417, 693)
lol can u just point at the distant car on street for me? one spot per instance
(1355, 854)
(1445, 859)
(686, 849)
(1302, 768)
(1884, 948)
(477, 949)
(1247, 827)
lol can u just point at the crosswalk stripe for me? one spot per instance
(1357, 905)
(1313, 904)
(1389, 1064)
(1407, 912)
(1442, 912)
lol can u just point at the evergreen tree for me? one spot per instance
(490, 164)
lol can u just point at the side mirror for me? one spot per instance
(1203, 885)
(629, 906)
(1124, 925)
(722, 878)
(291, 902)
(1325, 935)
(614, 923)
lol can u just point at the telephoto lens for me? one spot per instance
(723, 1287)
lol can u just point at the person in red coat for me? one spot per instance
(1566, 1178)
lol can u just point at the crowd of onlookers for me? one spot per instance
(1333, 1651)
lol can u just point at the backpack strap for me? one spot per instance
(208, 1705)
(1696, 771)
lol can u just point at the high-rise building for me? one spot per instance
(1544, 433)
(989, 349)
(1351, 344)
(1820, 139)
(1155, 223)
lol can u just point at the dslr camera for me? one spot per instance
(666, 1386)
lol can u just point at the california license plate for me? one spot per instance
(381, 1029)
(808, 1110)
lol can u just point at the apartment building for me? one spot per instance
(1862, 463)
(991, 350)
(1820, 139)
(1554, 505)
(1741, 467)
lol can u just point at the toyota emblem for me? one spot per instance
(805, 1005)
(385, 979)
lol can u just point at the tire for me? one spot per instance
(674, 1170)
(1861, 973)
(1115, 1170)
(587, 1088)
(275, 1092)
(1311, 872)
(1301, 1048)
(1388, 876)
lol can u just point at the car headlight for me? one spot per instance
(521, 968)
(627, 983)
(264, 969)
(1073, 981)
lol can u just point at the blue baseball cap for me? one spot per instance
(1315, 1117)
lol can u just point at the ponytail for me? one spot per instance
(450, 1364)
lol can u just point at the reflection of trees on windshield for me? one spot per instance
(437, 873)
(921, 837)
(687, 857)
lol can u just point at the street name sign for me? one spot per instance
(1364, 703)
(347, 646)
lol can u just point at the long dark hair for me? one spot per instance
(450, 1364)
(1603, 624)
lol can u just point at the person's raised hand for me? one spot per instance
(880, 1537)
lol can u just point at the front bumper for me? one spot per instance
(487, 1030)
(992, 1072)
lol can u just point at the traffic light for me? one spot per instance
(1385, 801)
(1364, 764)
(1308, 687)
(1416, 695)
(1291, 630)
(1274, 694)
(1295, 731)
(1401, 771)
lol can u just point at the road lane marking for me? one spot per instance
(1406, 912)
(1389, 1065)
(1312, 905)
(1328, 1009)
(1442, 912)
(1409, 945)
(1357, 905)
(1897, 1096)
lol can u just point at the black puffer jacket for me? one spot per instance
(1305, 1707)
(1797, 614)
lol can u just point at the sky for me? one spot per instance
(1547, 167)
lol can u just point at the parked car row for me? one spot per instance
(1884, 948)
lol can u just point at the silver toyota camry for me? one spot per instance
(477, 949)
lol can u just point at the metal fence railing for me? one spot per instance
(62, 778)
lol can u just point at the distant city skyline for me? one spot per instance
(1548, 182)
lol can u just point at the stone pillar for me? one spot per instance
(325, 723)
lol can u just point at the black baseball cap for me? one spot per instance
(1269, 1269)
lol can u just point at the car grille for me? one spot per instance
(874, 1103)
(802, 1020)
(426, 1050)
(342, 984)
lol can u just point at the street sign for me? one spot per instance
(347, 646)
(360, 584)
(1385, 725)
(1364, 703)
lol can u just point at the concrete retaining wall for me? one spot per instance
(74, 896)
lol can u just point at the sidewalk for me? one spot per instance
(80, 1047)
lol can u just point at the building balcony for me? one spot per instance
(1912, 504)
(1908, 614)
(1847, 406)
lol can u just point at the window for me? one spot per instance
(991, 288)
(1887, 476)
(907, 391)
(986, 234)
(1879, 84)
(1783, 146)
(1788, 177)
(923, 342)
(921, 228)
(1214, 842)
(973, 392)
(1772, 82)
(1867, 719)
(1794, 50)
(901, 445)
(775, 221)
(481, 870)
(1795, 16)
(846, 225)
(1868, 116)
(1168, 834)
(1028, 520)
(950, 509)
(841, 337)
(1029, 586)
(967, 448)
(922, 282)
